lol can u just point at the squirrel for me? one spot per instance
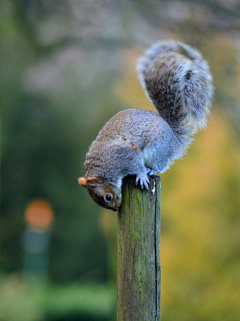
(140, 142)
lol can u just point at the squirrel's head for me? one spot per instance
(103, 193)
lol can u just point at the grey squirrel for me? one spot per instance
(140, 142)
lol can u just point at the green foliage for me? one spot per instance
(58, 68)
(30, 302)
(44, 141)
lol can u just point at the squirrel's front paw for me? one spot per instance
(143, 180)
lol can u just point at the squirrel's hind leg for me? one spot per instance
(157, 157)
(131, 162)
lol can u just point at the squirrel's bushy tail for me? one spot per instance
(178, 82)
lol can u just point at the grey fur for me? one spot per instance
(140, 142)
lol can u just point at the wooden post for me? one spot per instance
(138, 250)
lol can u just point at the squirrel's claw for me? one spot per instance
(143, 181)
(152, 172)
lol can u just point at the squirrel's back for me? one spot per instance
(177, 80)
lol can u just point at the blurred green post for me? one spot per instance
(39, 216)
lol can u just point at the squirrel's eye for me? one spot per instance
(108, 197)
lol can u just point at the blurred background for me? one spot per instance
(66, 67)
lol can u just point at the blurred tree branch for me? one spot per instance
(52, 25)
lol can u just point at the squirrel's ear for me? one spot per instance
(82, 181)
(94, 181)
(90, 181)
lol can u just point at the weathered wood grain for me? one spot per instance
(139, 271)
